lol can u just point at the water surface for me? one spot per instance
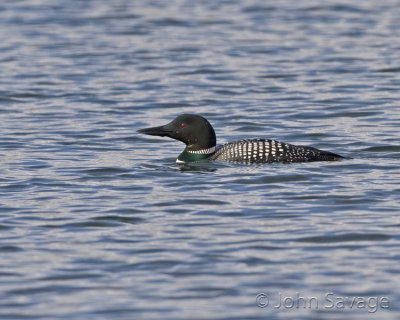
(99, 222)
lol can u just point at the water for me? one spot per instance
(98, 222)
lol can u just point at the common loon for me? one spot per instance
(199, 136)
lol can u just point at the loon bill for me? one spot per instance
(199, 136)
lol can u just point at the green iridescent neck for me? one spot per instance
(187, 156)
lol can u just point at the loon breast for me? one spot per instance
(267, 151)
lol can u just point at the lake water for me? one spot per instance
(99, 222)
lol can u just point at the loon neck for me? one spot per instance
(190, 155)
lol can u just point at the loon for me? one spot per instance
(199, 136)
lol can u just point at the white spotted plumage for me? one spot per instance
(263, 150)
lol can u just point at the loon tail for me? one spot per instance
(330, 156)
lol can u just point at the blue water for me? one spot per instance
(99, 222)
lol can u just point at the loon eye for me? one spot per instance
(182, 125)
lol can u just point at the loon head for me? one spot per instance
(193, 130)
